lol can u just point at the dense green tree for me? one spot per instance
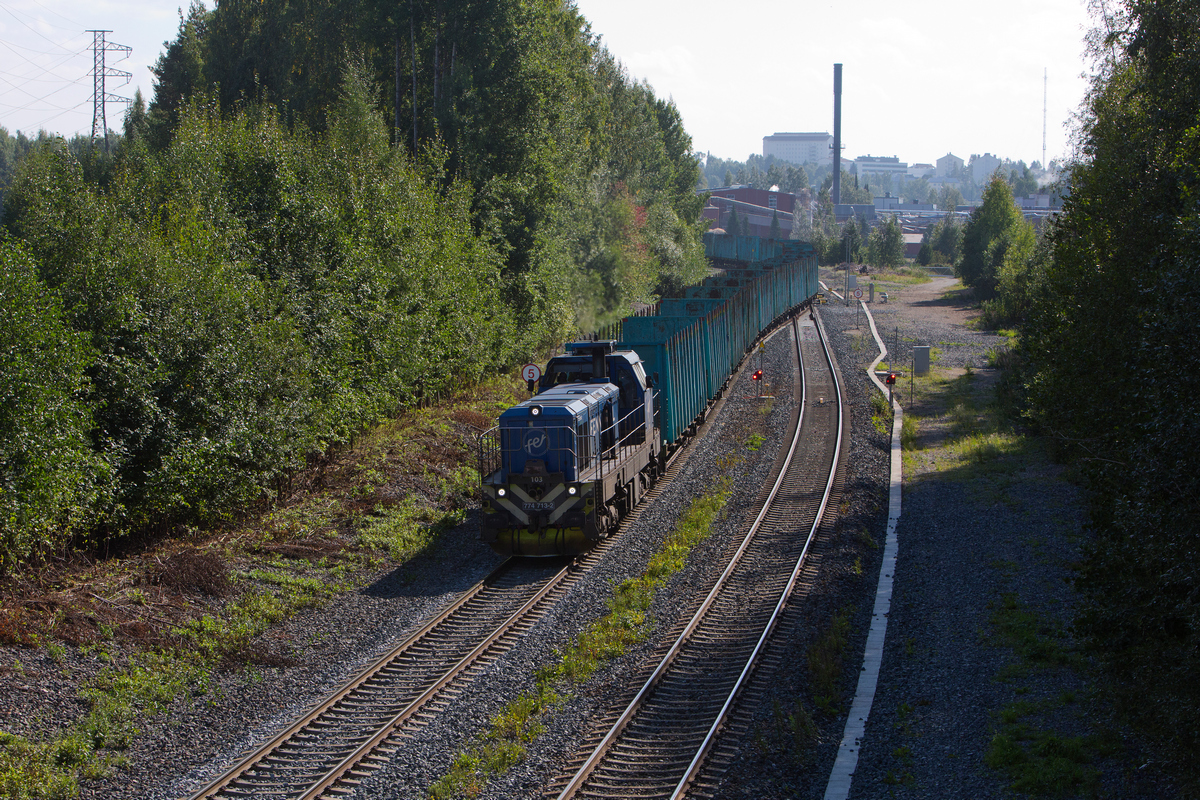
(852, 241)
(801, 227)
(1113, 366)
(267, 262)
(178, 73)
(732, 226)
(946, 240)
(1023, 181)
(775, 176)
(51, 480)
(949, 198)
(136, 125)
(1020, 276)
(917, 190)
(796, 180)
(852, 193)
(771, 171)
(776, 231)
(885, 245)
(991, 231)
(925, 254)
(12, 150)
(255, 295)
(520, 100)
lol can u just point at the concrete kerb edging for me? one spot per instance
(838, 787)
(835, 293)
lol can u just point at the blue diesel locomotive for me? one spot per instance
(561, 469)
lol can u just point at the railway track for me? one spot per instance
(333, 747)
(336, 744)
(658, 744)
(356, 730)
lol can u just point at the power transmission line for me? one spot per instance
(74, 23)
(34, 30)
(100, 72)
(29, 86)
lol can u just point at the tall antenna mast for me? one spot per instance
(100, 72)
(1045, 83)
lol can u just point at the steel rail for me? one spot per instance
(593, 760)
(259, 755)
(215, 788)
(706, 745)
(350, 761)
(363, 753)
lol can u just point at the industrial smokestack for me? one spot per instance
(837, 134)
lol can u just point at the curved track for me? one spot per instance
(335, 745)
(659, 743)
(356, 730)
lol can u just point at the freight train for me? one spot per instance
(561, 469)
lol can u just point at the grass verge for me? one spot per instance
(825, 662)
(1038, 744)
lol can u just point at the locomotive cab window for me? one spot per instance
(640, 371)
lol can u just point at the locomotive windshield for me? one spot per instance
(566, 369)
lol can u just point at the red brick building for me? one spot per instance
(755, 207)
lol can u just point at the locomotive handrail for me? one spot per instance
(491, 445)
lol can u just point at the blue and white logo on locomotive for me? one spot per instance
(536, 442)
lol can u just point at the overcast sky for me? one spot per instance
(920, 78)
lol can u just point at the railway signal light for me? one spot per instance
(891, 379)
(757, 376)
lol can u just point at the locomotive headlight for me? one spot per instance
(535, 411)
(502, 492)
(572, 490)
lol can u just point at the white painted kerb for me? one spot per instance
(847, 757)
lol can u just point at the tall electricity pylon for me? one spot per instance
(100, 72)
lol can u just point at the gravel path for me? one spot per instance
(985, 550)
(960, 552)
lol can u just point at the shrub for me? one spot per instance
(50, 479)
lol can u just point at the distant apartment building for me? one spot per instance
(921, 171)
(948, 166)
(800, 148)
(868, 166)
(983, 166)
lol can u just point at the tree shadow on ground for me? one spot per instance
(962, 299)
